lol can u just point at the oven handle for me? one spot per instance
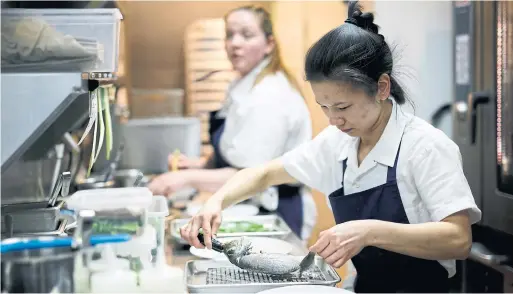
(474, 100)
(480, 253)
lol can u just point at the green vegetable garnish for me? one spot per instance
(241, 227)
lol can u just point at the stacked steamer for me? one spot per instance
(208, 72)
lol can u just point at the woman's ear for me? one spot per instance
(271, 43)
(384, 85)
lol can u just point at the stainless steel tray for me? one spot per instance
(276, 225)
(220, 276)
(33, 220)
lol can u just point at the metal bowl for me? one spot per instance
(94, 183)
(120, 179)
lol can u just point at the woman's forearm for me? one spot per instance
(209, 180)
(250, 181)
(241, 186)
(433, 240)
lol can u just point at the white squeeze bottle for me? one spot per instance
(161, 278)
(114, 278)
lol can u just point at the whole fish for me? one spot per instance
(239, 253)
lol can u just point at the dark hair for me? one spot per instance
(355, 53)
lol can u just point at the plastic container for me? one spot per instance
(157, 219)
(94, 27)
(118, 210)
(166, 135)
(102, 199)
(139, 247)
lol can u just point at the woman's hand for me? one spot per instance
(209, 219)
(340, 243)
(184, 162)
(168, 183)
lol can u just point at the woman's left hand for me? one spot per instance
(340, 243)
(168, 183)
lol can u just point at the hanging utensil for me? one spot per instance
(61, 187)
(138, 179)
(114, 164)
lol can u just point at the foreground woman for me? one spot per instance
(395, 183)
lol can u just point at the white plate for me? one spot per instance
(306, 289)
(267, 245)
(239, 210)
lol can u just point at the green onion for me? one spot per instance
(108, 126)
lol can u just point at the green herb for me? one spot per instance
(241, 227)
(109, 226)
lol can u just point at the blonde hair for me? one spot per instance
(275, 63)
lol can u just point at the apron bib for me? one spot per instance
(379, 270)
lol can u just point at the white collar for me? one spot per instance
(245, 84)
(241, 87)
(387, 146)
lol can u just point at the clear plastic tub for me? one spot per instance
(118, 210)
(157, 219)
(97, 29)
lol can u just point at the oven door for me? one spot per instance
(498, 134)
(467, 52)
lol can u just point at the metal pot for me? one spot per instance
(120, 179)
(94, 183)
(52, 264)
(43, 270)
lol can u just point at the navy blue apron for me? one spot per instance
(379, 270)
(290, 202)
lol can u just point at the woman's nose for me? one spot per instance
(237, 40)
(336, 121)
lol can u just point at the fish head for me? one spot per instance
(237, 248)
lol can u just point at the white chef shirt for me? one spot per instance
(430, 177)
(263, 122)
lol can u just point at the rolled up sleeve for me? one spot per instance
(441, 183)
(311, 162)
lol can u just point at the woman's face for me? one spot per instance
(246, 43)
(350, 109)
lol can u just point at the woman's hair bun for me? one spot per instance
(360, 19)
